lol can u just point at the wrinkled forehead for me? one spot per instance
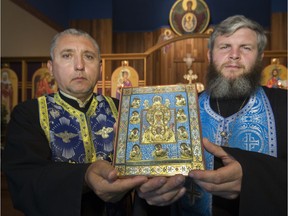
(75, 42)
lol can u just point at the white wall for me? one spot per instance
(22, 34)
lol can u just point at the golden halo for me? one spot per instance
(125, 70)
(184, 4)
(167, 32)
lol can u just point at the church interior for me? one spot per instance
(139, 36)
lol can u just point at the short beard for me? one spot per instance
(243, 86)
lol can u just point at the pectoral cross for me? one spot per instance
(193, 194)
(225, 137)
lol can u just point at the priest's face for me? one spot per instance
(75, 66)
(235, 65)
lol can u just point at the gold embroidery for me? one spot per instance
(43, 115)
(112, 106)
(66, 136)
(90, 152)
(104, 132)
(85, 127)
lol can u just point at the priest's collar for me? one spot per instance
(80, 103)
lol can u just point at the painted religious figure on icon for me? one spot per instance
(9, 98)
(43, 83)
(166, 35)
(9, 92)
(123, 76)
(189, 16)
(159, 123)
(275, 75)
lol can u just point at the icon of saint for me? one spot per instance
(135, 154)
(123, 81)
(6, 95)
(160, 152)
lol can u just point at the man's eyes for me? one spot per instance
(224, 47)
(247, 48)
(85, 56)
(89, 56)
(66, 55)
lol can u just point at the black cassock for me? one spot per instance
(39, 186)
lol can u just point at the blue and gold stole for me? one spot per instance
(78, 137)
(252, 129)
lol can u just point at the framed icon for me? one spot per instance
(189, 16)
(9, 98)
(9, 92)
(43, 83)
(159, 131)
(275, 75)
(123, 76)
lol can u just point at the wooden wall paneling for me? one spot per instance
(166, 73)
(196, 47)
(132, 42)
(279, 31)
(156, 68)
(149, 42)
(171, 64)
(135, 42)
(85, 25)
(119, 42)
(154, 74)
(202, 61)
(99, 29)
(180, 67)
(169, 72)
(279, 34)
(149, 69)
(102, 32)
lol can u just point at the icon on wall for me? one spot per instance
(123, 76)
(9, 98)
(43, 82)
(274, 75)
(166, 35)
(189, 16)
(9, 92)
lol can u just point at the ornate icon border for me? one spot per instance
(142, 148)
